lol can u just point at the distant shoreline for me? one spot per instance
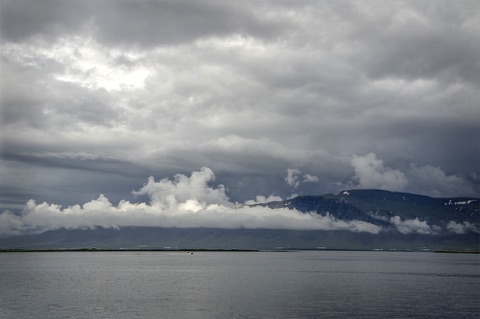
(449, 251)
(121, 250)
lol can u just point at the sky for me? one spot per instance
(254, 100)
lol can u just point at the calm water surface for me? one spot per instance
(320, 284)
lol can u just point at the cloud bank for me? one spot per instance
(181, 202)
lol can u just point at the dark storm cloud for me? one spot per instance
(341, 94)
(169, 22)
(144, 23)
(77, 163)
(438, 44)
(21, 19)
(34, 100)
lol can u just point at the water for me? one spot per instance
(323, 284)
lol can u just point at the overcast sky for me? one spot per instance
(274, 97)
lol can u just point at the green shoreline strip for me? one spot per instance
(458, 251)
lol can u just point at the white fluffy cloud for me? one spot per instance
(415, 226)
(462, 228)
(168, 194)
(294, 178)
(371, 173)
(307, 178)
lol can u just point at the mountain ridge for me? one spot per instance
(377, 205)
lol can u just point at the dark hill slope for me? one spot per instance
(216, 238)
(377, 206)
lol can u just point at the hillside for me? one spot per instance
(378, 207)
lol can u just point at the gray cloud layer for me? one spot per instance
(98, 95)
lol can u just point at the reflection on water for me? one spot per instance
(321, 284)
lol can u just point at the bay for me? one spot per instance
(297, 284)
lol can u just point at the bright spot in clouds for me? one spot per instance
(86, 63)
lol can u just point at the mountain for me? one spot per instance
(403, 220)
(379, 206)
(242, 238)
